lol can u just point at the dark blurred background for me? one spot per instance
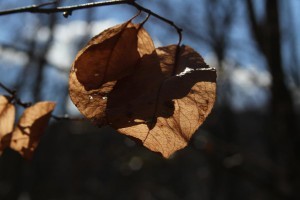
(248, 148)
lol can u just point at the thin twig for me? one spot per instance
(14, 98)
(6, 88)
(69, 9)
(138, 6)
(39, 9)
(144, 21)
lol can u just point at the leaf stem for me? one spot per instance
(145, 20)
(171, 23)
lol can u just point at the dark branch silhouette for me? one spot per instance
(14, 98)
(67, 10)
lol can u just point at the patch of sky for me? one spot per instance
(250, 80)
(54, 83)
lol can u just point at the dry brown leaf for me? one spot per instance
(30, 128)
(109, 56)
(7, 119)
(121, 80)
(160, 109)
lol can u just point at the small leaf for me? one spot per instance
(109, 56)
(30, 128)
(7, 119)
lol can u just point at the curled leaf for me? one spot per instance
(30, 128)
(109, 56)
(7, 119)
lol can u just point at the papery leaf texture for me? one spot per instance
(159, 96)
(109, 56)
(162, 104)
(31, 127)
(7, 119)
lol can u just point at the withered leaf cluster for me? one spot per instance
(25, 135)
(157, 95)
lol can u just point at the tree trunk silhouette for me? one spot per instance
(283, 134)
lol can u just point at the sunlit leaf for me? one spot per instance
(163, 105)
(7, 119)
(159, 96)
(30, 128)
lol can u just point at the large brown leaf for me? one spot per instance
(30, 128)
(7, 119)
(163, 103)
(108, 57)
(121, 80)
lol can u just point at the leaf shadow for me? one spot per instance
(31, 133)
(36, 131)
(149, 92)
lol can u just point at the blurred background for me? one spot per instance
(248, 148)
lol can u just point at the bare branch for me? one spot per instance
(67, 10)
(14, 98)
(39, 9)
(6, 89)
